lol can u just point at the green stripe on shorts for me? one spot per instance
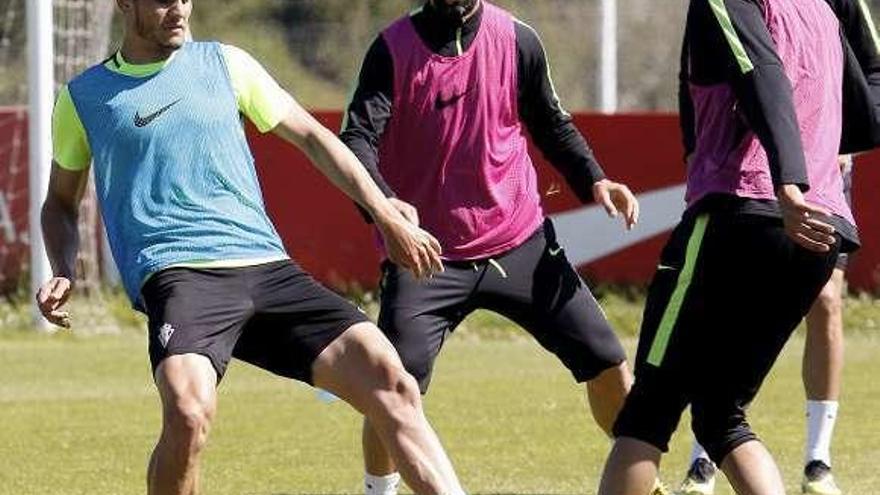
(739, 51)
(673, 308)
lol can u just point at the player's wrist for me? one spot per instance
(789, 193)
(601, 184)
(385, 216)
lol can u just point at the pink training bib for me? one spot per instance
(455, 147)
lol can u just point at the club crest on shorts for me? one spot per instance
(165, 334)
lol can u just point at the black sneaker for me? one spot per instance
(702, 470)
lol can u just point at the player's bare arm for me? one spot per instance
(408, 245)
(59, 222)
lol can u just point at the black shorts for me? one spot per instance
(534, 285)
(274, 316)
(728, 292)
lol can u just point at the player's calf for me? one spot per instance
(607, 393)
(361, 367)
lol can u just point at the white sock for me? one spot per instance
(381, 485)
(821, 416)
(698, 452)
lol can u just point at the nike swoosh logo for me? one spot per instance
(440, 103)
(589, 235)
(145, 121)
(554, 252)
(662, 267)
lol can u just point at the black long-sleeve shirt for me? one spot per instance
(764, 93)
(549, 125)
(861, 78)
(763, 90)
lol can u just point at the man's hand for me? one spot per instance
(617, 198)
(801, 224)
(51, 298)
(411, 247)
(415, 249)
(408, 211)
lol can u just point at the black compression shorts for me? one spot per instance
(534, 285)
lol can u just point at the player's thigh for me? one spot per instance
(361, 367)
(761, 286)
(294, 319)
(199, 312)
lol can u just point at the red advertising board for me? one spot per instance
(324, 232)
(13, 197)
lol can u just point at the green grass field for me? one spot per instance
(78, 415)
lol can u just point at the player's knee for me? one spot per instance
(188, 422)
(398, 393)
(720, 430)
(614, 382)
(829, 301)
(404, 389)
(187, 385)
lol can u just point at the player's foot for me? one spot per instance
(660, 489)
(818, 479)
(700, 479)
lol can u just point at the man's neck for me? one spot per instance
(441, 35)
(442, 23)
(139, 52)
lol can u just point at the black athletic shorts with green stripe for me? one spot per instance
(729, 290)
